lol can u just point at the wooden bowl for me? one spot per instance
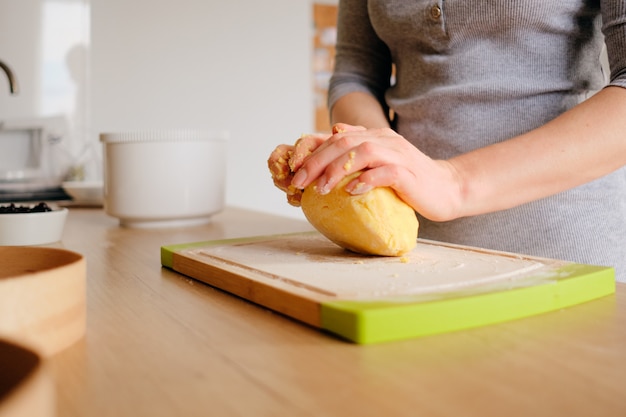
(42, 297)
(25, 388)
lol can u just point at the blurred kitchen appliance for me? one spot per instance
(32, 166)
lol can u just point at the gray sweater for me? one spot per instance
(474, 72)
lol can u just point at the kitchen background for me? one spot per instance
(256, 69)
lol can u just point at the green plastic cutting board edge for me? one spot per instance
(397, 318)
(380, 321)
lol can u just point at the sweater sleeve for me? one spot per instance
(614, 29)
(362, 61)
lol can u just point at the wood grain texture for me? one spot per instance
(284, 300)
(161, 344)
(26, 388)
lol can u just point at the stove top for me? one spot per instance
(44, 194)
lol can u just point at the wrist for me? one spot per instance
(455, 192)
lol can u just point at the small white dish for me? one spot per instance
(26, 229)
(85, 192)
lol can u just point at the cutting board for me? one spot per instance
(369, 299)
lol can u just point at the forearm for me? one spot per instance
(359, 109)
(581, 145)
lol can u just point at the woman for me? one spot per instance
(505, 132)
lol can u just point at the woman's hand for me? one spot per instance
(430, 187)
(285, 160)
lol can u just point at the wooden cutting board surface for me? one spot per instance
(368, 299)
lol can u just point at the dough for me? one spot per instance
(377, 222)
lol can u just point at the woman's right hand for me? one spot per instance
(285, 161)
(433, 188)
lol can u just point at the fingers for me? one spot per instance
(331, 151)
(343, 127)
(348, 151)
(432, 187)
(294, 199)
(366, 157)
(303, 147)
(278, 164)
(287, 159)
(327, 160)
(393, 176)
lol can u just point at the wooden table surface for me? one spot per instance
(161, 344)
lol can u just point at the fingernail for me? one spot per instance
(337, 129)
(299, 178)
(321, 189)
(359, 188)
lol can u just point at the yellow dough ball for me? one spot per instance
(376, 223)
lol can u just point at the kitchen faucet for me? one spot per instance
(12, 80)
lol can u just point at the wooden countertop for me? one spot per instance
(161, 344)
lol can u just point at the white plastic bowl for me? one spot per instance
(24, 229)
(164, 178)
